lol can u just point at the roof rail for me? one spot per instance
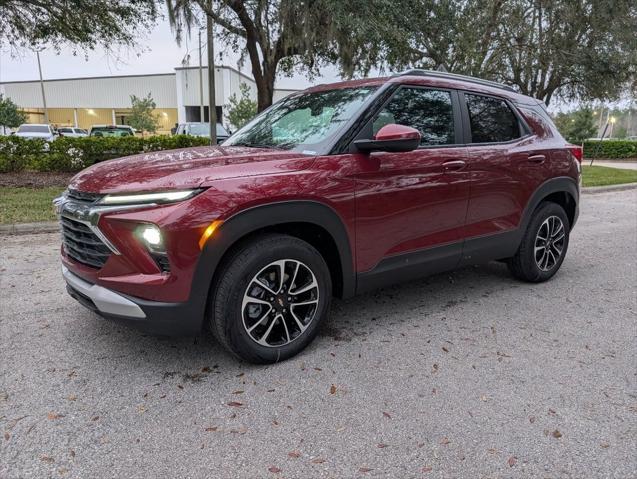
(455, 76)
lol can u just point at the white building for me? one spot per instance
(106, 100)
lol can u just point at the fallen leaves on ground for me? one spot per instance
(294, 454)
(512, 460)
(365, 469)
(444, 441)
(381, 445)
(235, 404)
(333, 389)
(557, 434)
(387, 415)
(426, 469)
(318, 460)
(274, 469)
(53, 415)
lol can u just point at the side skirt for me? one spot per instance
(409, 266)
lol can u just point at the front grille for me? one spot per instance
(83, 196)
(81, 244)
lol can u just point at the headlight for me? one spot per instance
(142, 198)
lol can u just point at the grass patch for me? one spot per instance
(604, 176)
(26, 205)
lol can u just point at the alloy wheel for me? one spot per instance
(549, 243)
(280, 302)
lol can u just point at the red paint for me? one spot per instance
(389, 203)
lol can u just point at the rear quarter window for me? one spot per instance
(492, 120)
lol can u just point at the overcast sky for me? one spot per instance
(161, 55)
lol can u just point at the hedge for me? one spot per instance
(610, 149)
(75, 154)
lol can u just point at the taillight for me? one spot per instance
(577, 151)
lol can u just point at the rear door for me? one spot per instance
(506, 166)
(408, 204)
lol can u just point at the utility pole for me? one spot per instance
(201, 115)
(46, 113)
(212, 116)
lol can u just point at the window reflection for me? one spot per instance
(491, 119)
(304, 121)
(428, 111)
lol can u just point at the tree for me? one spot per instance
(577, 125)
(10, 115)
(84, 24)
(283, 36)
(141, 117)
(241, 110)
(575, 49)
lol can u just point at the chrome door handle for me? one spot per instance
(453, 165)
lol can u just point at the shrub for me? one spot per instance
(75, 154)
(610, 149)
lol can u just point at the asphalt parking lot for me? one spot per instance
(469, 374)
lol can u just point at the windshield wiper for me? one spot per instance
(254, 145)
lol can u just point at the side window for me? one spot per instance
(491, 120)
(428, 111)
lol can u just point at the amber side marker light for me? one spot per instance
(208, 232)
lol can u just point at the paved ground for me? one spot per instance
(464, 375)
(622, 165)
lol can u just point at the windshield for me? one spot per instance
(65, 130)
(33, 129)
(106, 131)
(302, 122)
(203, 129)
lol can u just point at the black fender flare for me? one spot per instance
(560, 184)
(255, 218)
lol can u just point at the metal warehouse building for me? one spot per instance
(84, 102)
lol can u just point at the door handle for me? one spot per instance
(537, 159)
(453, 165)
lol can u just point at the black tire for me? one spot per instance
(238, 272)
(525, 265)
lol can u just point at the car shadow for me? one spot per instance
(361, 317)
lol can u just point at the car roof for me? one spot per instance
(111, 126)
(433, 79)
(34, 124)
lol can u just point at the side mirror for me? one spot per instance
(391, 138)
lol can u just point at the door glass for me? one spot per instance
(492, 120)
(428, 111)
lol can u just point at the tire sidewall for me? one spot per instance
(238, 338)
(545, 211)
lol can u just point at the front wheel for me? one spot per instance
(270, 297)
(544, 245)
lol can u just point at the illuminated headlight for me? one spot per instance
(151, 235)
(143, 198)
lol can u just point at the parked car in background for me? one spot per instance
(333, 191)
(40, 131)
(112, 130)
(71, 132)
(202, 129)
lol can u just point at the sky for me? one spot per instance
(160, 55)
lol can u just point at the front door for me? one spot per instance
(411, 207)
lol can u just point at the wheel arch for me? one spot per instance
(562, 190)
(314, 222)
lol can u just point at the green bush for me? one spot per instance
(610, 149)
(75, 154)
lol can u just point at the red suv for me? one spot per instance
(333, 191)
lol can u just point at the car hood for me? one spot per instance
(185, 168)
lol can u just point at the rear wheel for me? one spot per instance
(270, 297)
(543, 246)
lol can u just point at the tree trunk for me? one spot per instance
(265, 86)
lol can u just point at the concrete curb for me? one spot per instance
(52, 226)
(30, 228)
(592, 190)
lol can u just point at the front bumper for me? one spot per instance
(173, 319)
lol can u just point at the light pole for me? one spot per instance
(201, 115)
(46, 113)
(612, 123)
(212, 116)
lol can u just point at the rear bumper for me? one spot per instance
(173, 319)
